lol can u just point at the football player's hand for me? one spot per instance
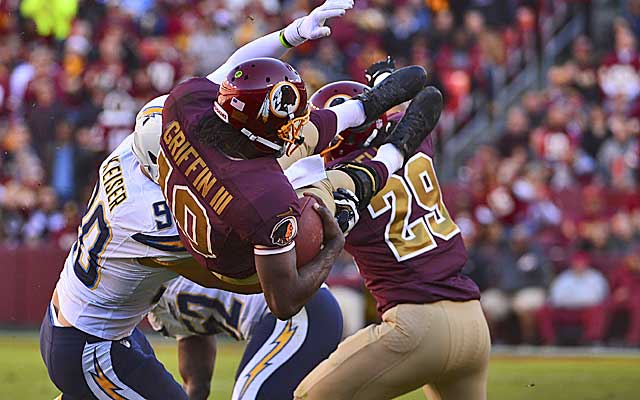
(379, 70)
(347, 213)
(312, 26)
(333, 236)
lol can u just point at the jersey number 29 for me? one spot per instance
(406, 238)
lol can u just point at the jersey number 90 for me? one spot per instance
(406, 238)
(93, 237)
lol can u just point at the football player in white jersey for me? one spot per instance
(89, 341)
(127, 247)
(279, 354)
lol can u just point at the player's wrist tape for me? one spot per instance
(284, 41)
(291, 35)
(365, 179)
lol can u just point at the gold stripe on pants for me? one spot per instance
(443, 347)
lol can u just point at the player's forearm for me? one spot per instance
(197, 390)
(287, 289)
(312, 275)
(190, 269)
(266, 46)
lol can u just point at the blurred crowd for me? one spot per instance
(551, 211)
(73, 74)
(551, 208)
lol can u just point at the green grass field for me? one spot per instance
(23, 376)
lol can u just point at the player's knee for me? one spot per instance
(198, 390)
(324, 193)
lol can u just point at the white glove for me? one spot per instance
(312, 26)
(347, 213)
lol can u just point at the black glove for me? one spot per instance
(347, 213)
(379, 69)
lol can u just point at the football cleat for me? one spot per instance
(419, 120)
(401, 85)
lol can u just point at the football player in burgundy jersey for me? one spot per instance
(226, 139)
(411, 254)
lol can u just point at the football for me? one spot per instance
(310, 232)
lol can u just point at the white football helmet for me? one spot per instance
(146, 136)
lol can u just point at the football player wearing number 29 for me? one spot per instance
(128, 246)
(410, 252)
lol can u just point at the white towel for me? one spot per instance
(306, 171)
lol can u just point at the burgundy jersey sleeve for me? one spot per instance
(189, 102)
(279, 227)
(267, 212)
(326, 122)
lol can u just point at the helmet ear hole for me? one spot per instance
(268, 79)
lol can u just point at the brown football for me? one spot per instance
(310, 232)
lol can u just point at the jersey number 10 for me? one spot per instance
(190, 215)
(406, 238)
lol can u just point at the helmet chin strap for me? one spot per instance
(261, 140)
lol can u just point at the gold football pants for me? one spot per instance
(442, 347)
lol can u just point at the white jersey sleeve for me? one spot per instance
(187, 309)
(106, 287)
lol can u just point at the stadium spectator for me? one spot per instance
(576, 297)
(516, 134)
(625, 297)
(522, 276)
(619, 156)
(619, 75)
(597, 132)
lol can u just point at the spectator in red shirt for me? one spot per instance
(619, 76)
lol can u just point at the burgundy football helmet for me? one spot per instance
(350, 139)
(266, 100)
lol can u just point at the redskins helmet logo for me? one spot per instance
(284, 99)
(335, 100)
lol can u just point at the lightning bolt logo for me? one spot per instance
(101, 379)
(279, 343)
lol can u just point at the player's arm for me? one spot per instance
(196, 361)
(309, 27)
(287, 288)
(192, 270)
